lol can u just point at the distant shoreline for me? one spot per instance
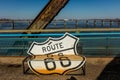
(5, 19)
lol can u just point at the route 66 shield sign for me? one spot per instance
(55, 56)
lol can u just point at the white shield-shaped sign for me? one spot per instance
(55, 56)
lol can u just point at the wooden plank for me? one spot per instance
(61, 30)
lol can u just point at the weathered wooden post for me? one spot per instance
(102, 23)
(64, 23)
(13, 25)
(87, 23)
(118, 23)
(76, 23)
(111, 23)
(94, 23)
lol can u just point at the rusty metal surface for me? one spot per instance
(47, 14)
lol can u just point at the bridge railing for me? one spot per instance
(62, 24)
(93, 44)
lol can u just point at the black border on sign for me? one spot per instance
(57, 39)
